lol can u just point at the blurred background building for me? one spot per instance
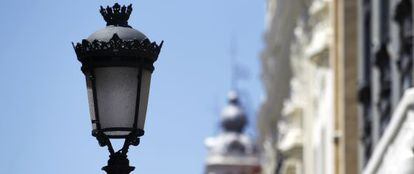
(232, 151)
(337, 76)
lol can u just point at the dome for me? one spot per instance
(232, 147)
(124, 33)
(233, 117)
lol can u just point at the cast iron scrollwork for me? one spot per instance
(117, 15)
(117, 46)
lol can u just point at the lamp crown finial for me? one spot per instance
(116, 15)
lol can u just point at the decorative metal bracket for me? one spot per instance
(118, 162)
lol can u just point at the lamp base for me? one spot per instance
(118, 163)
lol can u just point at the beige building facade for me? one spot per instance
(335, 72)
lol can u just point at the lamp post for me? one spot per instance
(117, 62)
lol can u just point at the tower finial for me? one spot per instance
(116, 15)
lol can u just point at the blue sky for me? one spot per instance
(45, 126)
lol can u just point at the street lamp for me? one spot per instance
(117, 62)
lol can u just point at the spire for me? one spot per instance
(233, 55)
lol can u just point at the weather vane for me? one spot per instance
(233, 55)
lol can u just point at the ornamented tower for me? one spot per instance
(232, 151)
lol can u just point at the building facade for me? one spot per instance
(302, 113)
(335, 72)
(386, 76)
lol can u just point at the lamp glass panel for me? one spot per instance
(91, 103)
(116, 89)
(143, 102)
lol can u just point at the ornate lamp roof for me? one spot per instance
(117, 39)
